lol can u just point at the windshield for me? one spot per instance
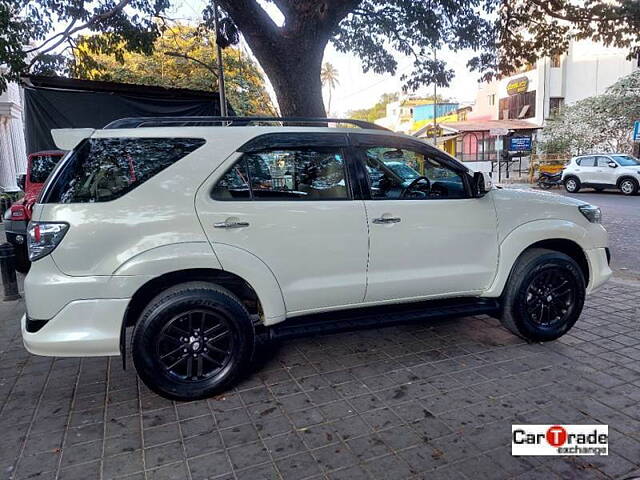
(41, 167)
(626, 160)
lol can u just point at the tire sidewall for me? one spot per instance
(527, 327)
(148, 328)
(634, 186)
(567, 183)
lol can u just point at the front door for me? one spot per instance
(605, 174)
(428, 237)
(293, 208)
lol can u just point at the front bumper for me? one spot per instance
(82, 328)
(599, 270)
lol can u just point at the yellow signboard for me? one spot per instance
(518, 85)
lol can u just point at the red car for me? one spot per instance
(39, 166)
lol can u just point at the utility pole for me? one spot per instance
(223, 100)
(435, 105)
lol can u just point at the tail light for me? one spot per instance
(44, 237)
(19, 212)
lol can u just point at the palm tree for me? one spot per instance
(329, 77)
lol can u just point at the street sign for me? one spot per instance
(636, 131)
(499, 132)
(520, 144)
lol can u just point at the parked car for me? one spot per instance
(167, 231)
(39, 166)
(603, 171)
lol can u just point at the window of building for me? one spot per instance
(556, 61)
(555, 105)
(291, 174)
(519, 106)
(492, 99)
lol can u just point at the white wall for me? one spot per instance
(13, 157)
(591, 68)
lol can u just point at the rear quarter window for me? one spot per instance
(103, 169)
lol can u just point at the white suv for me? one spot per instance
(200, 237)
(600, 171)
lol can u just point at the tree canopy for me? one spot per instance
(504, 34)
(600, 123)
(183, 57)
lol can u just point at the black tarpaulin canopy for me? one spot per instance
(56, 102)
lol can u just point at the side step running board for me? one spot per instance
(384, 316)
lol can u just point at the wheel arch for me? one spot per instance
(626, 177)
(562, 236)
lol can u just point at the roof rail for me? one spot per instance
(139, 122)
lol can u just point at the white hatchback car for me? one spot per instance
(200, 237)
(601, 171)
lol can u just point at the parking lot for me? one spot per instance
(420, 401)
(430, 400)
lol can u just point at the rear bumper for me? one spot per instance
(599, 270)
(82, 328)
(15, 231)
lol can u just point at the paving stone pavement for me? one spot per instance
(433, 401)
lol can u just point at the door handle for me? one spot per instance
(385, 220)
(230, 224)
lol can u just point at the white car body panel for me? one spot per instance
(299, 257)
(440, 247)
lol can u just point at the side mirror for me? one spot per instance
(481, 184)
(612, 164)
(21, 180)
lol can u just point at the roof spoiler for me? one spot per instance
(69, 138)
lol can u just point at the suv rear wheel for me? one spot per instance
(192, 341)
(544, 295)
(572, 185)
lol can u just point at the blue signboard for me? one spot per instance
(520, 144)
(636, 131)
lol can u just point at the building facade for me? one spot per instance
(13, 156)
(537, 91)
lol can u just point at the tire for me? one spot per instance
(169, 349)
(628, 186)
(523, 305)
(23, 265)
(544, 186)
(572, 184)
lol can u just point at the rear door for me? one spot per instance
(427, 237)
(288, 199)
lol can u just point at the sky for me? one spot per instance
(358, 89)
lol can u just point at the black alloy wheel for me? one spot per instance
(195, 345)
(550, 298)
(544, 295)
(192, 341)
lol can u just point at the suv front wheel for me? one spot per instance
(192, 341)
(544, 295)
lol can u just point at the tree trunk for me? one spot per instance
(295, 77)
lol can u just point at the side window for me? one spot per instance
(103, 169)
(586, 162)
(603, 161)
(234, 185)
(396, 174)
(286, 174)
